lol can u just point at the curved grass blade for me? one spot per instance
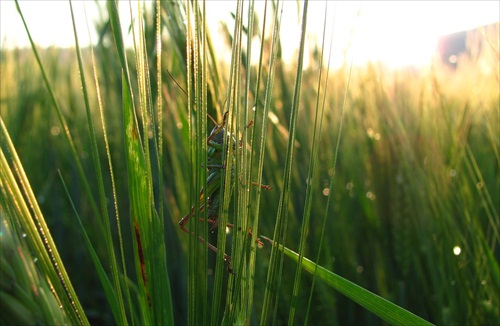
(388, 311)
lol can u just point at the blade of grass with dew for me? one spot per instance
(249, 284)
(259, 129)
(113, 186)
(323, 226)
(268, 96)
(194, 180)
(388, 311)
(25, 295)
(201, 84)
(276, 260)
(121, 317)
(159, 276)
(135, 160)
(149, 245)
(111, 296)
(311, 177)
(38, 234)
(159, 108)
(153, 237)
(240, 291)
(138, 194)
(232, 160)
(244, 247)
(62, 120)
(197, 117)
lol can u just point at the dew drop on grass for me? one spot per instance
(457, 250)
(370, 132)
(370, 195)
(55, 131)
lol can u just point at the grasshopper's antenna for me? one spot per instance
(168, 72)
(182, 89)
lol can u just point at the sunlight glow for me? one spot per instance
(394, 33)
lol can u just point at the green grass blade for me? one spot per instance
(276, 261)
(149, 246)
(113, 299)
(311, 177)
(38, 234)
(138, 193)
(323, 225)
(269, 87)
(62, 120)
(236, 309)
(118, 302)
(391, 313)
(255, 206)
(197, 119)
(113, 189)
(26, 297)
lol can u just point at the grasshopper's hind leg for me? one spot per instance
(182, 225)
(227, 259)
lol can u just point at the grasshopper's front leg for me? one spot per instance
(212, 191)
(214, 164)
(213, 185)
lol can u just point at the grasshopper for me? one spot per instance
(214, 189)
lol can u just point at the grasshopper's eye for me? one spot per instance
(214, 130)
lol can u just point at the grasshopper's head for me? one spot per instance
(217, 135)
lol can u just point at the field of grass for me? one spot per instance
(392, 182)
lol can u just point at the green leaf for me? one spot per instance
(388, 311)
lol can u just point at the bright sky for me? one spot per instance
(396, 33)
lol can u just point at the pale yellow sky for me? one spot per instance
(396, 33)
